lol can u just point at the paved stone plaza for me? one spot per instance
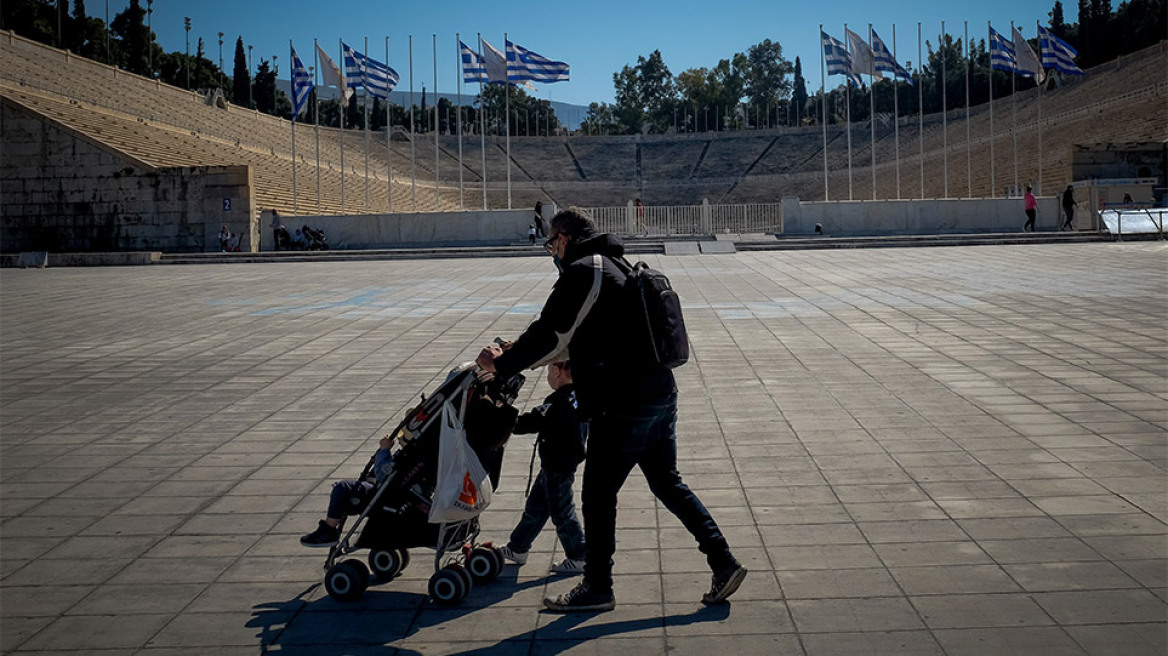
(915, 451)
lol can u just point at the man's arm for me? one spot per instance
(547, 338)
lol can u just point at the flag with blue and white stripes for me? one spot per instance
(361, 71)
(1002, 53)
(885, 62)
(301, 84)
(839, 61)
(1056, 53)
(523, 64)
(474, 67)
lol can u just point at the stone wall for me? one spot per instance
(63, 192)
(915, 217)
(494, 227)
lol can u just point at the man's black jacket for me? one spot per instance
(586, 319)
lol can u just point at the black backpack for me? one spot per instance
(656, 309)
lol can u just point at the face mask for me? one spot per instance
(558, 262)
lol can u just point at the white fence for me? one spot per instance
(680, 220)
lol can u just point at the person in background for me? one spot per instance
(1069, 206)
(1031, 206)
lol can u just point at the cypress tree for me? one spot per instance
(241, 77)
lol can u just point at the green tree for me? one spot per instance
(1057, 24)
(129, 27)
(600, 119)
(766, 76)
(32, 19)
(646, 95)
(799, 93)
(241, 76)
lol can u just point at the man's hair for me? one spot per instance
(573, 222)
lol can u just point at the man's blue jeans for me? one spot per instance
(551, 497)
(644, 436)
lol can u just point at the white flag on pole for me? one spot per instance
(331, 76)
(863, 59)
(1026, 62)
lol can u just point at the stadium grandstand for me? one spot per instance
(141, 128)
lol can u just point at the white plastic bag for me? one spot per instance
(463, 489)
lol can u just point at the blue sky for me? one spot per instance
(596, 38)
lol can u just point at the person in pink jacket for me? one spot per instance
(1031, 210)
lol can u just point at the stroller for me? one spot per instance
(396, 518)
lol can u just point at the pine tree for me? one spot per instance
(130, 27)
(241, 77)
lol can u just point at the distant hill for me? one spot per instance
(570, 115)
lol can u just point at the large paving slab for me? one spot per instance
(952, 450)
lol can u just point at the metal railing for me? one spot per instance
(683, 220)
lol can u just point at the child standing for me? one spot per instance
(560, 442)
(349, 498)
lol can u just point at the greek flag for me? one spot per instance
(1056, 53)
(301, 84)
(839, 62)
(886, 62)
(474, 68)
(523, 64)
(361, 71)
(1002, 52)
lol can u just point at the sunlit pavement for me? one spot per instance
(952, 450)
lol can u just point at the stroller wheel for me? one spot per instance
(447, 587)
(347, 581)
(388, 563)
(466, 577)
(498, 555)
(482, 565)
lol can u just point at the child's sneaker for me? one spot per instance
(580, 599)
(517, 557)
(323, 536)
(568, 566)
(724, 584)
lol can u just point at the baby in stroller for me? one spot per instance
(349, 497)
(394, 498)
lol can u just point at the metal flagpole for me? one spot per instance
(483, 122)
(872, 108)
(292, 58)
(507, 113)
(896, 112)
(343, 105)
(1038, 188)
(458, 79)
(1014, 110)
(942, 50)
(990, 40)
(413, 160)
(365, 85)
(389, 142)
(968, 143)
(921, 108)
(823, 102)
(436, 130)
(848, 114)
(316, 119)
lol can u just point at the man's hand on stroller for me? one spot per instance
(486, 359)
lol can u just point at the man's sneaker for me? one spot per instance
(724, 584)
(580, 599)
(323, 536)
(568, 566)
(517, 557)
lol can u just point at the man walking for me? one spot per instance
(630, 400)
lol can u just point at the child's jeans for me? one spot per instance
(550, 498)
(348, 498)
